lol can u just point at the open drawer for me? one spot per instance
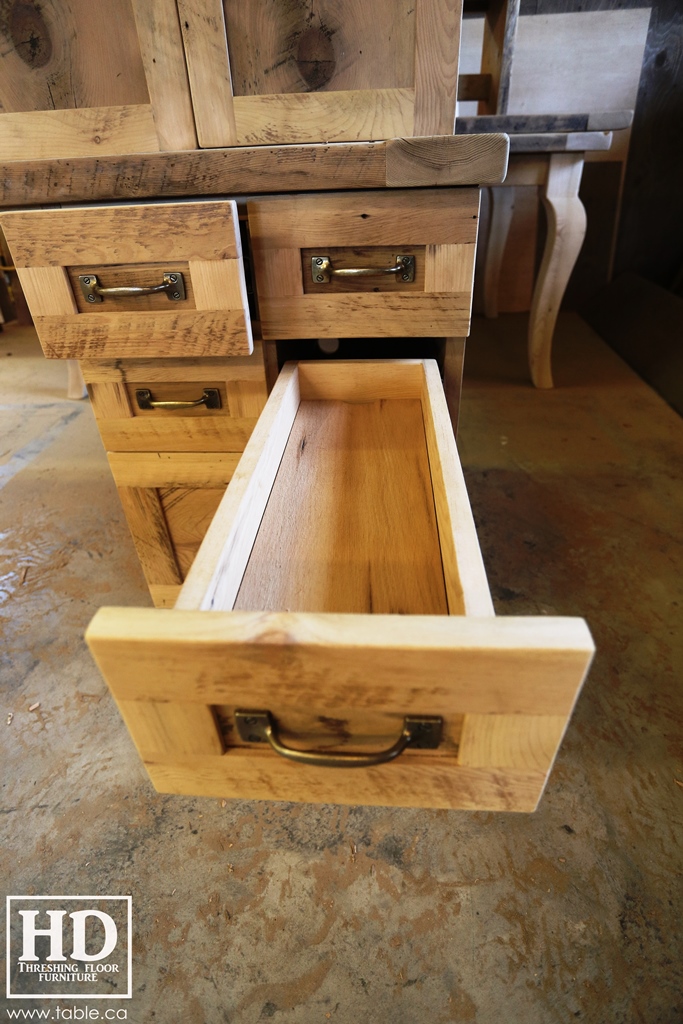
(338, 609)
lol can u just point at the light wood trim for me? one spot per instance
(47, 291)
(511, 741)
(449, 268)
(149, 530)
(149, 233)
(399, 163)
(202, 23)
(437, 31)
(366, 314)
(445, 664)
(161, 47)
(426, 217)
(77, 132)
(136, 335)
(111, 371)
(219, 284)
(464, 573)
(177, 729)
(110, 401)
(171, 434)
(216, 574)
(278, 272)
(295, 118)
(413, 781)
(173, 469)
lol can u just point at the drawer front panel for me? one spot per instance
(238, 385)
(133, 247)
(369, 232)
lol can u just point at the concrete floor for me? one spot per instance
(301, 914)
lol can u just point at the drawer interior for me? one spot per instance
(340, 589)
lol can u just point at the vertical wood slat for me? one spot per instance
(218, 284)
(110, 401)
(202, 23)
(161, 46)
(148, 527)
(500, 31)
(47, 291)
(171, 728)
(437, 45)
(449, 268)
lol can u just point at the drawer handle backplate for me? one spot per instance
(322, 270)
(172, 284)
(421, 732)
(211, 399)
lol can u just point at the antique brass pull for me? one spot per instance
(211, 399)
(172, 284)
(322, 270)
(422, 732)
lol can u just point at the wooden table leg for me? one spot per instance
(75, 387)
(501, 208)
(566, 232)
(454, 357)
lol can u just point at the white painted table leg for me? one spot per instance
(75, 387)
(501, 208)
(566, 231)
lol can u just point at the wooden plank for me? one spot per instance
(500, 31)
(208, 65)
(463, 567)
(149, 530)
(511, 124)
(219, 284)
(163, 596)
(361, 380)
(217, 571)
(89, 131)
(447, 664)
(64, 56)
(511, 741)
(350, 524)
(569, 142)
(400, 163)
(446, 161)
(173, 469)
(362, 315)
(177, 729)
(131, 335)
(123, 234)
(161, 48)
(211, 434)
(473, 88)
(414, 781)
(426, 217)
(247, 368)
(453, 364)
(110, 401)
(437, 46)
(361, 114)
(449, 268)
(47, 291)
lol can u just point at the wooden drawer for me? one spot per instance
(370, 231)
(145, 245)
(340, 589)
(239, 383)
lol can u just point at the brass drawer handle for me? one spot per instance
(172, 284)
(211, 399)
(322, 269)
(423, 732)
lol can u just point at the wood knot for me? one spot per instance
(315, 57)
(30, 35)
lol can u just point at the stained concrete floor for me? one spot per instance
(247, 912)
